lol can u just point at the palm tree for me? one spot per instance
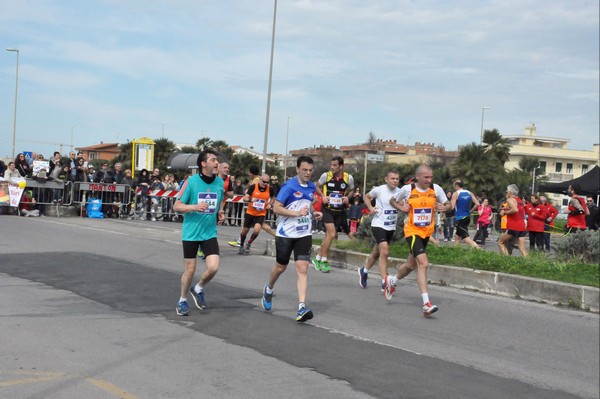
(528, 164)
(240, 163)
(163, 148)
(481, 171)
(496, 145)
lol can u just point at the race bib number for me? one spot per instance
(259, 205)
(302, 223)
(390, 216)
(335, 200)
(210, 199)
(422, 217)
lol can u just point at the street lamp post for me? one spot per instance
(264, 162)
(285, 157)
(163, 130)
(16, 93)
(482, 112)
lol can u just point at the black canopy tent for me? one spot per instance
(589, 182)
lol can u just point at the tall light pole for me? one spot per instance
(482, 113)
(285, 157)
(16, 93)
(264, 162)
(163, 130)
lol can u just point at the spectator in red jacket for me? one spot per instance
(537, 214)
(552, 212)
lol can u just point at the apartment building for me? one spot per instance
(557, 162)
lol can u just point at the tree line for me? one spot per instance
(480, 166)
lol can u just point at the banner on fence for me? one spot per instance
(15, 193)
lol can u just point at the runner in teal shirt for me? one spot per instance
(201, 197)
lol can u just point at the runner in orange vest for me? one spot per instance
(419, 201)
(260, 198)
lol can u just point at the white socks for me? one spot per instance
(425, 297)
(197, 288)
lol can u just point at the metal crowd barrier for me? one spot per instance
(158, 205)
(115, 198)
(48, 193)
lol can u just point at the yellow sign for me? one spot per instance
(142, 153)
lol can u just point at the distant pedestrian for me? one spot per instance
(592, 220)
(551, 212)
(536, 218)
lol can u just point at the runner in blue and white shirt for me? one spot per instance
(293, 207)
(383, 225)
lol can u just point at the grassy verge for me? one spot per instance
(538, 265)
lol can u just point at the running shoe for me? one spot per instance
(201, 255)
(325, 266)
(235, 243)
(304, 314)
(317, 264)
(363, 276)
(182, 309)
(389, 289)
(198, 298)
(240, 250)
(247, 248)
(382, 286)
(267, 299)
(429, 309)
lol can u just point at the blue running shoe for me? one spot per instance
(182, 309)
(304, 314)
(198, 298)
(267, 299)
(363, 277)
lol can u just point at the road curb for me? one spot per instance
(503, 284)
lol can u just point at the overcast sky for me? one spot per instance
(406, 70)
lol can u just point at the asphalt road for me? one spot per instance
(87, 310)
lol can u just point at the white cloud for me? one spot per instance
(342, 67)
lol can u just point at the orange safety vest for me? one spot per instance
(259, 207)
(420, 217)
(504, 219)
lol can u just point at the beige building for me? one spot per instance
(557, 162)
(397, 153)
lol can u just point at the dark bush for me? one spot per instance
(582, 245)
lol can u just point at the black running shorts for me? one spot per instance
(417, 245)
(284, 246)
(382, 235)
(250, 221)
(516, 234)
(338, 218)
(209, 247)
(462, 227)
